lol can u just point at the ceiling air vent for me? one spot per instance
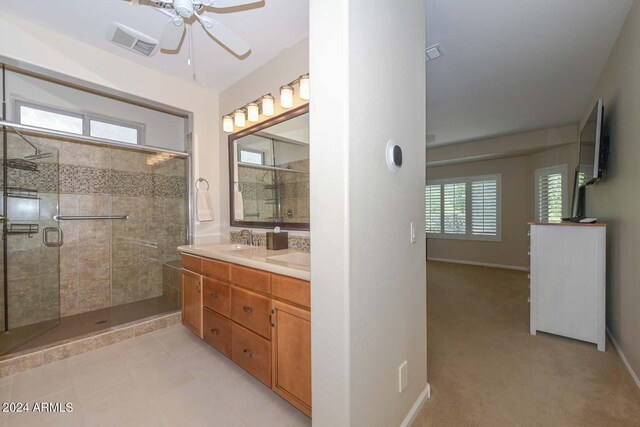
(433, 52)
(132, 40)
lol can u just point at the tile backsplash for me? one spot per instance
(299, 243)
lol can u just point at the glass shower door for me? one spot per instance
(31, 241)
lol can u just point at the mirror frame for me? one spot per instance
(287, 115)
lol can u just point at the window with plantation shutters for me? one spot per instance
(484, 207)
(550, 193)
(463, 208)
(455, 202)
(433, 208)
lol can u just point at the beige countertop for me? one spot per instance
(287, 262)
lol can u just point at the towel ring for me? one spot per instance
(199, 180)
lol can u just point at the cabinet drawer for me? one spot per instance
(192, 263)
(251, 352)
(217, 296)
(217, 332)
(290, 289)
(251, 310)
(250, 278)
(219, 270)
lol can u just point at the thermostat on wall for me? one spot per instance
(394, 156)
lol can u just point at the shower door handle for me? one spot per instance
(52, 243)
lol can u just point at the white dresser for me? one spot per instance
(567, 295)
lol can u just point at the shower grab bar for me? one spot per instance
(88, 217)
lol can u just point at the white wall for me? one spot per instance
(614, 199)
(369, 282)
(25, 41)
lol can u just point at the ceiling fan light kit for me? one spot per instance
(265, 105)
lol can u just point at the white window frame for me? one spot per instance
(557, 169)
(468, 233)
(86, 119)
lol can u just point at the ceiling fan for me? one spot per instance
(181, 10)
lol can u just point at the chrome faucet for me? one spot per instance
(248, 235)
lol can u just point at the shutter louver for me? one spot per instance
(433, 208)
(455, 208)
(550, 198)
(484, 208)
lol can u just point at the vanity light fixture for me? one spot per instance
(286, 96)
(265, 105)
(253, 112)
(304, 87)
(239, 118)
(227, 124)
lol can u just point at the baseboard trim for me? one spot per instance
(413, 412)
(481, 264)
(624, 358)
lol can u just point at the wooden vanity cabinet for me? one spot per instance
(258, 319)
(291, 355)
(192, 301)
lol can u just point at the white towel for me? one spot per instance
(238, 205)
(204, 207)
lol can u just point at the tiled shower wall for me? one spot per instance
(261, 189)
(111, 262)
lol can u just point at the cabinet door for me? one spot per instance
(192, 301)
(291, 346)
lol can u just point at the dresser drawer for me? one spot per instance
(217, 332)
(290, 289)
(218, 269)
(217, 296)
(251, 352)
(192, 263)
(250, 278)
(251, 310)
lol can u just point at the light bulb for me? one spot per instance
(227, 124)
(286, 96)
(239, 118)
(267, 105)
(253, 114)
(304, 87)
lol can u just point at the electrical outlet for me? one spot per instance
(412, 231)
(402, 377)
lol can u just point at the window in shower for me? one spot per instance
(82, 124)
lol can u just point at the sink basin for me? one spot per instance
(297, 258)
(233, 247)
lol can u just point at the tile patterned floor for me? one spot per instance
(165, 378)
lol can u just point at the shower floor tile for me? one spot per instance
(140, 382)
(46, 333)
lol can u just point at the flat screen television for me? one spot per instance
(590, 159)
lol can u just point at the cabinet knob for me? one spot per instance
(215, 331)
(247, 309)
(213, 295)
(247, 352)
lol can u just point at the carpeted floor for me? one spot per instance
(485, 369)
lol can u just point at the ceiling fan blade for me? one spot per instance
(221, 4)
(172, 34)
(224, 35)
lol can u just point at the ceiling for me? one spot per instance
(513, 66)
(269, 28)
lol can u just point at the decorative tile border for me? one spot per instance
(299, 243)
(14, 364)
(74, 179)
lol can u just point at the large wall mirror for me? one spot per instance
(269, 173)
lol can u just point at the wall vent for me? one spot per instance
(132, 40)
